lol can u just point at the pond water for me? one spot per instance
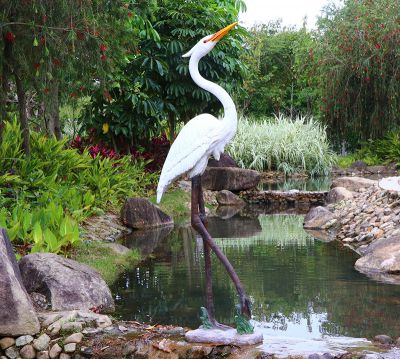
(301, 184)
(306, 293)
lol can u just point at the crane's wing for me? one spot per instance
(195, 141)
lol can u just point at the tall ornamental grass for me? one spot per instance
(283, 144)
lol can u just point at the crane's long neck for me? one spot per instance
(230, 114)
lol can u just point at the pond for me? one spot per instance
(302, 289)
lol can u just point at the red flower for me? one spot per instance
(130, 14)
(378, 46)
(46, 90)
(82, 88)
(36, 66)
(10, 37)
(73, 95)
(103, 48)
(103, 57)
(56, 62)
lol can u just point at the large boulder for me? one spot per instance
(353, 183)
(17, 315)
(338, 194)
(318, 218)
(65, 284)
(227, 198)
(229, 178)
(381, 256)
(140, 213)
(224, 161)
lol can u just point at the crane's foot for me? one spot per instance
(203, 219)
(243, 326)
(245, 306)
(208, 322)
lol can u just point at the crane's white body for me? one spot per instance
(202, 136)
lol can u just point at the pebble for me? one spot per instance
(25, 339)
(55, 351)
(64, 356)
(43, 355)
(72, 327)
(6, 343)
(74, 338)
(51, 319)
(12, 353)
(70, 348)
(28, 352)
(41, 343)
(383, 339)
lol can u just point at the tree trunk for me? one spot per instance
(5, 88)
(52, 112)
(23, 113)
(171, 125)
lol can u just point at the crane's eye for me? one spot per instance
(205, 41)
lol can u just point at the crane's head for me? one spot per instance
(207, 43)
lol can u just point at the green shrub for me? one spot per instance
(282, 144)
(44, 197)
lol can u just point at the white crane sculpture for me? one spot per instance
(201, 137)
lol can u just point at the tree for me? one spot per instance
(155, 87)
(279, 77)
(360, 69)
(54, 50)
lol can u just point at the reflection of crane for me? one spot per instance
(201, 137)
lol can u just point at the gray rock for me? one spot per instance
(41, 343)
(72, 327)
(224, 161)
(67, 284)
(117, 248)
(55, 351)
(353, 183)
(27, 352)
(398, 342)
(25, 339)
(227, 337)
(6, 343)
(70, 348)
(317, 217)
(12, 353)
(229, 178)
(338, 194)
(140, 213)
(64, 356)
(17, 315)
(227, 198)
(381, 256)
(383, 339)
(74, 338)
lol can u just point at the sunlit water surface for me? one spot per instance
(307, 296)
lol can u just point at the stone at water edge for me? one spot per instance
(17, 315)
(227, 198)
(353, 183)
(67, 284)
(140, 213)
(227, 337)
(317, 217)
(229, 178)
(338, 194)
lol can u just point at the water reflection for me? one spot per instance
(301, 184)
(300, 286)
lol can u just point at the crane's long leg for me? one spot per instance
(198, 225)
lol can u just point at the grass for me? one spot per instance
(109, 264)
(283, 144)
(175, 203)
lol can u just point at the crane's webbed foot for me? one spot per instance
(209, 322)
(245, 306)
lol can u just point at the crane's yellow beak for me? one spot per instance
(221, 33)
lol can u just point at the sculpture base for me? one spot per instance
(218, 336)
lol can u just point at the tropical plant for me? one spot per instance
(358, 58)
(282, 144)
(154, 90)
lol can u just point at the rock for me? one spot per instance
(227, 198)
(139, 213)
(27, 352)
(338, 194)
(381, 256)
(72, 327)
(25, 339)
(6, 343)
(55, 351)
(383, 339)
(41, 343)
(43, 355)
(12, 353)
(353, 183)
(229, 178)
(227, 337)
(17, 315)
(67, 284)
(64, 356)
(239, 227)
(359, 165)
(50, 319)
(317, 217)
(224, 161)
(70, 348)
(74, 338)
(398, 342)
(117, 248)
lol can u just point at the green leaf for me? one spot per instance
(37, 233)
(35, 42)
